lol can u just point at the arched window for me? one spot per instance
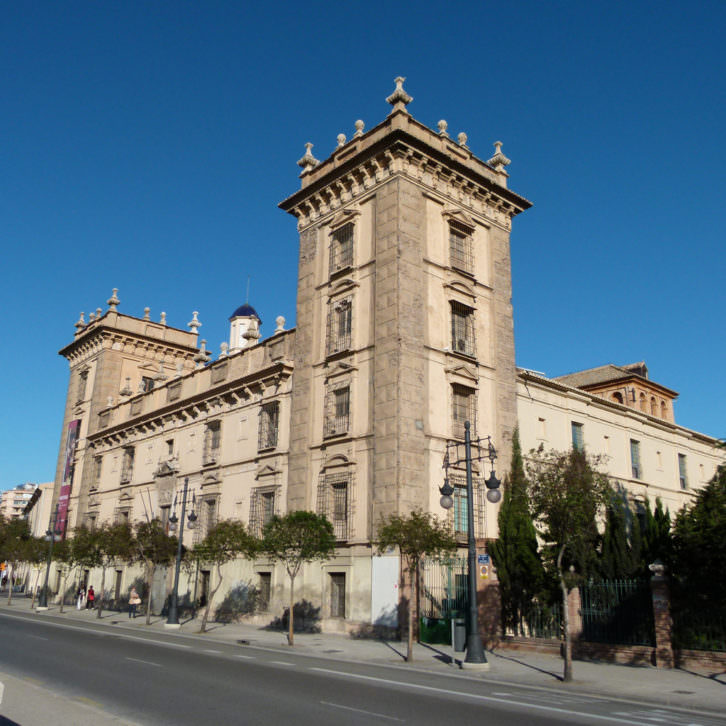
(653, 406)
(643, 403)
(618, 397)
(663, 409)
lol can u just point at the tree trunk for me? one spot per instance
(10, 583)
(567, 675)
(290, 637)
(411, 596)
(63, 589)
(35, 589)
(150, 571)
(99, 599)
(210, 597)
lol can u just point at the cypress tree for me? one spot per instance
(515, 552)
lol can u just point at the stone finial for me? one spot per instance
(442, 128)
(98, 313)
(280, 324)
(462, 138)
(163, 318)
(253, 331)
(80, 323)
(308, 161)
(126, 390)
(194, 323)
(113, 301)
(91, 317)
(341, 140)
(498, 161)
(203, 355)
(399, 99)
(359, 126)
(161, 373)
(223, 348)
(146, 313)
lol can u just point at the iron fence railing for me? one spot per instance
(704, 629)
(617, 611)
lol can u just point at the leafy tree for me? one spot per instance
(63, 554)
(153, 547)
(418, 535)
(699, 548)
(14, 541)
(656, 535)
(293, 539)
(567, 492)
(223, 543)
(618, 557)
(515, 552)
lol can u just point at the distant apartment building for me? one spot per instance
(13, 501)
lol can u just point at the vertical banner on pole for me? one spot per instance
(65, 490)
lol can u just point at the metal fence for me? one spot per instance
(699, 630)
(617, 612)
(540, 621)
(443, 588)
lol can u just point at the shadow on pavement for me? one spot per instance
(528, 665)
(7, 722)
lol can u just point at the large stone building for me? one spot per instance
(404, 332)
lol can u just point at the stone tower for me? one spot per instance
(112, 357)
(404, 318)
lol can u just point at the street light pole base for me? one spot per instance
(172, 626)
(474, 666)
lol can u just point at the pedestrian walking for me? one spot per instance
(90, 598)
(134, 602)
(80, 598)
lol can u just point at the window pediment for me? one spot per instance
(266, 470)
(340, 368)
(462, 289)
(459, 216)
(462, 373)
(341, 286)
(342, 218)
(336, 460)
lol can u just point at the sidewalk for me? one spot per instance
(695, 692)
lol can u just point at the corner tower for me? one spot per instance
(404, 318)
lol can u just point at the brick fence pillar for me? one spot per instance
(574, 612)
(661, 617)
(489, 602)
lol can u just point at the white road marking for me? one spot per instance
(149, 640)
(475, 696)
(282, 662)
(360, 710)
(148, 662)
(246, 657)
(2, 691)
(209, 650)
(37, 637)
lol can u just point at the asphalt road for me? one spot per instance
(174, 679)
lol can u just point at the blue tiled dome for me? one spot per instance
(245, 311)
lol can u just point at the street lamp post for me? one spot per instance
(475, 656)
(172, 620)
(51, 534)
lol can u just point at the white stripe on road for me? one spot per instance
(209, 650)
(148, 640)
(246, 657)
(360, 710)
(282, 662)
(37, 637)
(148, 662)
(475, 696)
(2, 690)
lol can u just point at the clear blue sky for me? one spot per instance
(145, 146)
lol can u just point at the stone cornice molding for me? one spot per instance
(336, 460)
(462, 289)
(403, 153)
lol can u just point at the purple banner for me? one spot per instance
(65, 490)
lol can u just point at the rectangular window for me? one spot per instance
(147, 384)
(337, 413)
(127, 466)
(212, 442)
(91, 521)
(334, 501)
(97, 469)
(460, 248)
(635, 458)
(463, 410)
(578, 436)
(82, 383)
(340, 319)
(337, 594)
(263, 600)
(262, 509)
(269, 417)
(170, 447)
(122, 516)
(462, 329)
(461, 510)
(682, 475)
(341, 248)
(208, 514)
